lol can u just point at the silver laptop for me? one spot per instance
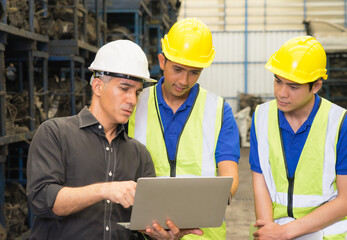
(193, 202)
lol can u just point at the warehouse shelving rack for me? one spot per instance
(335, 89)
(129, 14)
(99, 9)
(33, 54)
(26, 46)
(71, 54)
(163, 17)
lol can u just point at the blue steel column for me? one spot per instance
(2, 189)
(3, 149)
(72, 87)
(97, 23)
(75, 19)
(246, 46)
(345, 12)
(45, 86)
(85, 19)
(31, 15)
(225, 15)
(305, 10)
(83, 76)
(31, 91)
(136, 30)
(100, 36)
(4, 6)
(265, 15)
(2, 93)
(104, 17)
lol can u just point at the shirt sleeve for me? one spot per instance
(228, 144)
(341, 157)
(253, 150)
(45, 170)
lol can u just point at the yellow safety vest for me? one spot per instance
(314, 181)
(195, 152)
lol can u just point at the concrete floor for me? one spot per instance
(240, 213)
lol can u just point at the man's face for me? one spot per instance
(118, 97)
(292, 96)
(179, 79)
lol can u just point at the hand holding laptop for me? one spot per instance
(158, 232)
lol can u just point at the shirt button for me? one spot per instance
(99, 126)
(107, 228)
(108, 201)
(107, 148)
(110, 173)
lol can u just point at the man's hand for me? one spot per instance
(121, 192)
(269, 231)
(159, 233)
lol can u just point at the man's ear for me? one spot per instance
(317, 85)
(97, 86)
(162, 60)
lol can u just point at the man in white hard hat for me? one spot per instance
(82, 169)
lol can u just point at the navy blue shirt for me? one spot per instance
(228, 140)
(294, 143)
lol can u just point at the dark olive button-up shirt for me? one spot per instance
(74, 152)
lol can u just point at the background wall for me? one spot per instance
(247, 32)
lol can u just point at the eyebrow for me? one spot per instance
(290, 84)
(182, 68)
(130, 85)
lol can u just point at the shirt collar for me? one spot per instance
(188, 103)
(285, 125)
(87, 119)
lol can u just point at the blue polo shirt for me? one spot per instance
(294, 143)
(228, 146)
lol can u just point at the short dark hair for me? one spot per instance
(164, 57)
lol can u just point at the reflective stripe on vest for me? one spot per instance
(314, 181)
(195, 153)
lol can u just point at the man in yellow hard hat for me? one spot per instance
(188, 130)
(298, 153)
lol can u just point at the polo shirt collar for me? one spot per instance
(285, 125)
(188, 103)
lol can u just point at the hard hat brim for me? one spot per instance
(132, 76)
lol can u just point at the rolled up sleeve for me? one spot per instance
(45, 170)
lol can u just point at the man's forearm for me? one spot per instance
(70, 200)
(262, 200)
(325, 215)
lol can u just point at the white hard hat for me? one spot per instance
(121, 58)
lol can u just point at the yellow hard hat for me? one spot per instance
(300, 59)
(189, 42)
